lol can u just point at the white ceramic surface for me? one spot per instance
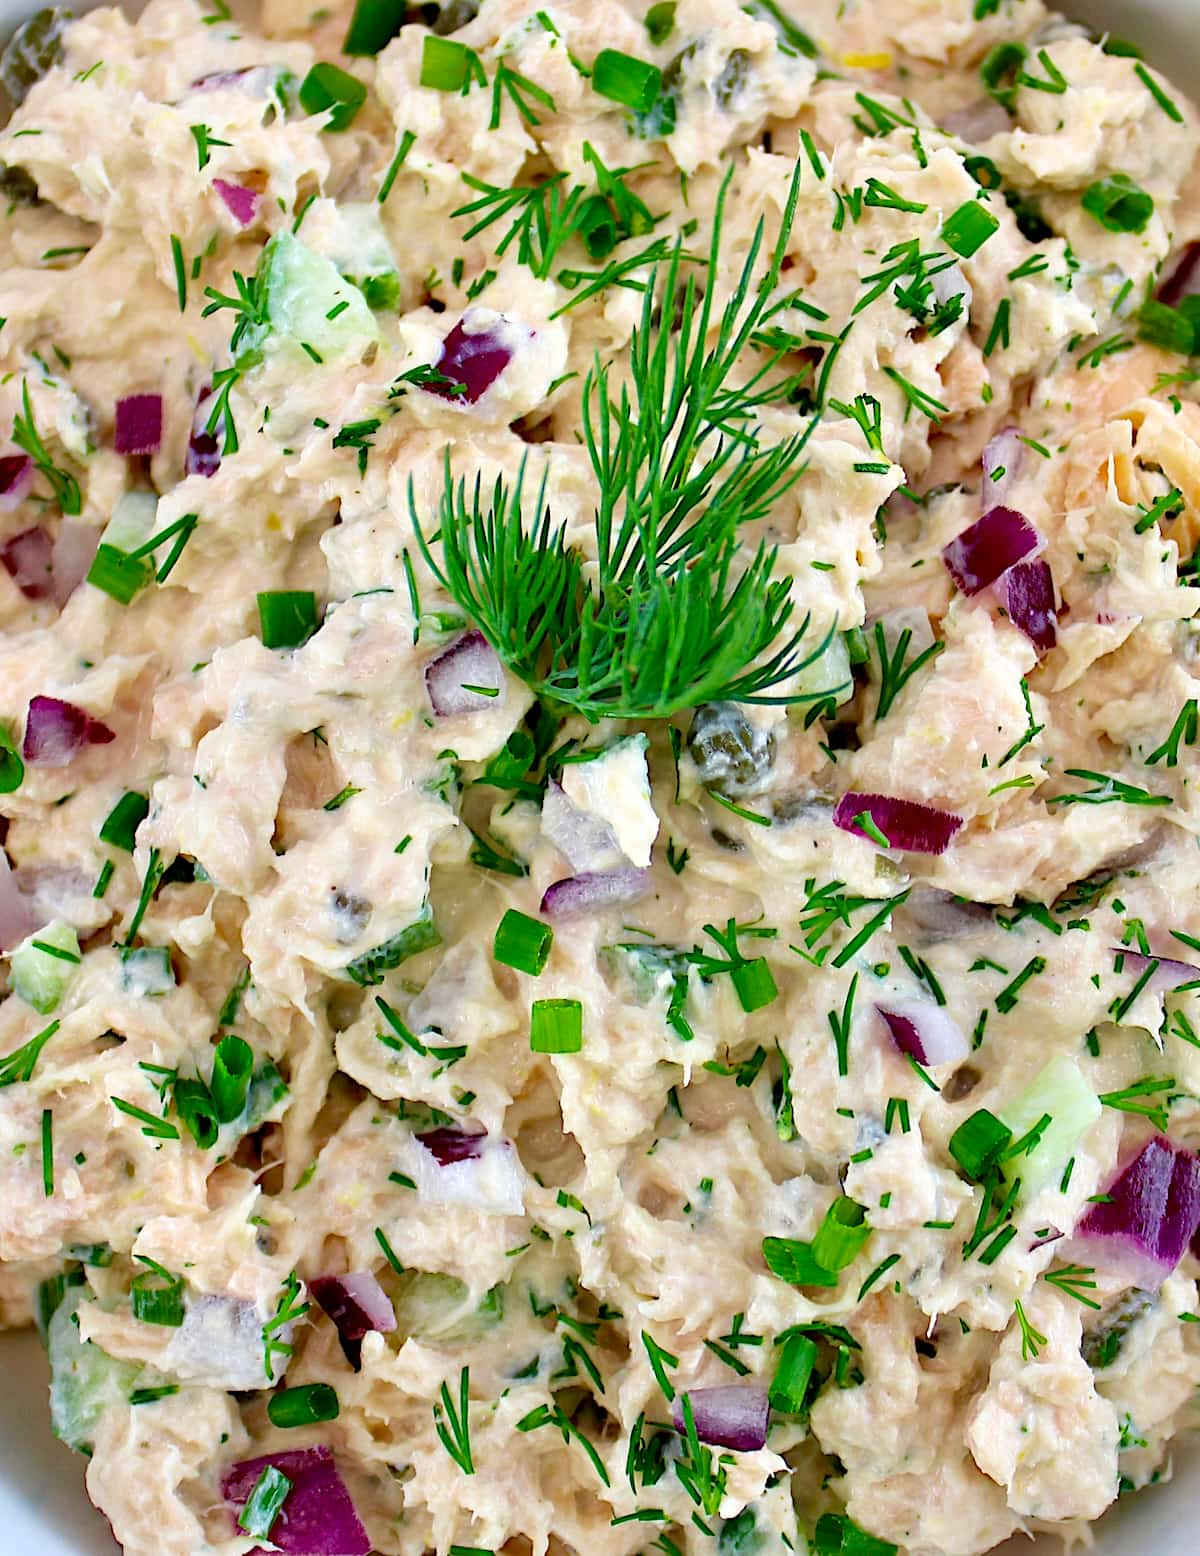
(44, 1510)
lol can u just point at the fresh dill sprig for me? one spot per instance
(894, 673)
(1074, 1280)
(453, 1426)
(676, 617)
(29, 440)
(1031, 1340)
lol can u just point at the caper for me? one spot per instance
(32, 52)
(733, 755)
(453, 15)
(17, 187)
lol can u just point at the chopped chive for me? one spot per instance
(999, 333)
(1171, 109)
(303, 1406)
(151, 1395)
(180, 272)
(556, 1026)
(48, 1153)
(156, 1128)
(287, 617)
(877, 1274)
(340, 798)
(107, 871)
(522, 942)
(264, 1503)
(119, 827)
(407, 141)
(621, 78)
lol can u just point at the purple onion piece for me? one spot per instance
(468, 662)
(1048, 1235)
(1027, 591)
(218, 80)
(1184, 280)
(1002, 461)
(358, 1306)
(734, 1416)
(920, 829)
(472, 363)
(578, 895)
(19, 916)
(317, 1517)
(449, 1145)
(138, 424)
(1168, 973)
(28, 560)
(16, 476)
(204, 448)
(56, 731)
(239, 201)
(1151, 1214)
(924, 1031)
(999, 540)
(74, 547)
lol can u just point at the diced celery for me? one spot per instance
(307, 300)
(40, 976)
(1060, 1091)
(84, 1380)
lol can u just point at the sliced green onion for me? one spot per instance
(447, 65)
(660, 21)
(755, 983)
(623, 79)
(264, 1503)
(978, 1144)
(1160, 325)
(288, 617)
(792, 1375)
(838, 1535)
(1000, 69)
(119, 827)
(793, 1261)
(327, 89)
(597, 227)
(522, 942)
(1118, 204)
(121, 577)
(194, 1104)
(233, 1065)
(12, 768)
(842, 1235)
(968, 229)
(157, 1304)
(373, 26)
(556, 1026)
(303, 1406)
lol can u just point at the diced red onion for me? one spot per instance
(356, 1302)
(56, 731)
(978, 121)
(1168, 973)
(138, 424)
(317, 1517)
(587, 841)
(924, 1031)
(204, 449)
(468, 662)
(736, 1416)
(1002, 461)
(1027, 591)
(920, 829)
(1151, 1214)
(999, 540)
(1184, 280)
(218, 80)
(448, 1144)
(1048, 1235)
(19, 916)
(27, 559)
(240, 201)
(472, 362)
(74, 547)
(578, 895)
(16, 475)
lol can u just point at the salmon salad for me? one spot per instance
(599, 690)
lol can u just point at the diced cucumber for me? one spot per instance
(40, 976)
(131, 526)
(307, 300)
(828, 678)
(84, 1380)
(1060, 1091)
(438, 1307)
(146, 970)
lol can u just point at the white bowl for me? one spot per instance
(44, 1510)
